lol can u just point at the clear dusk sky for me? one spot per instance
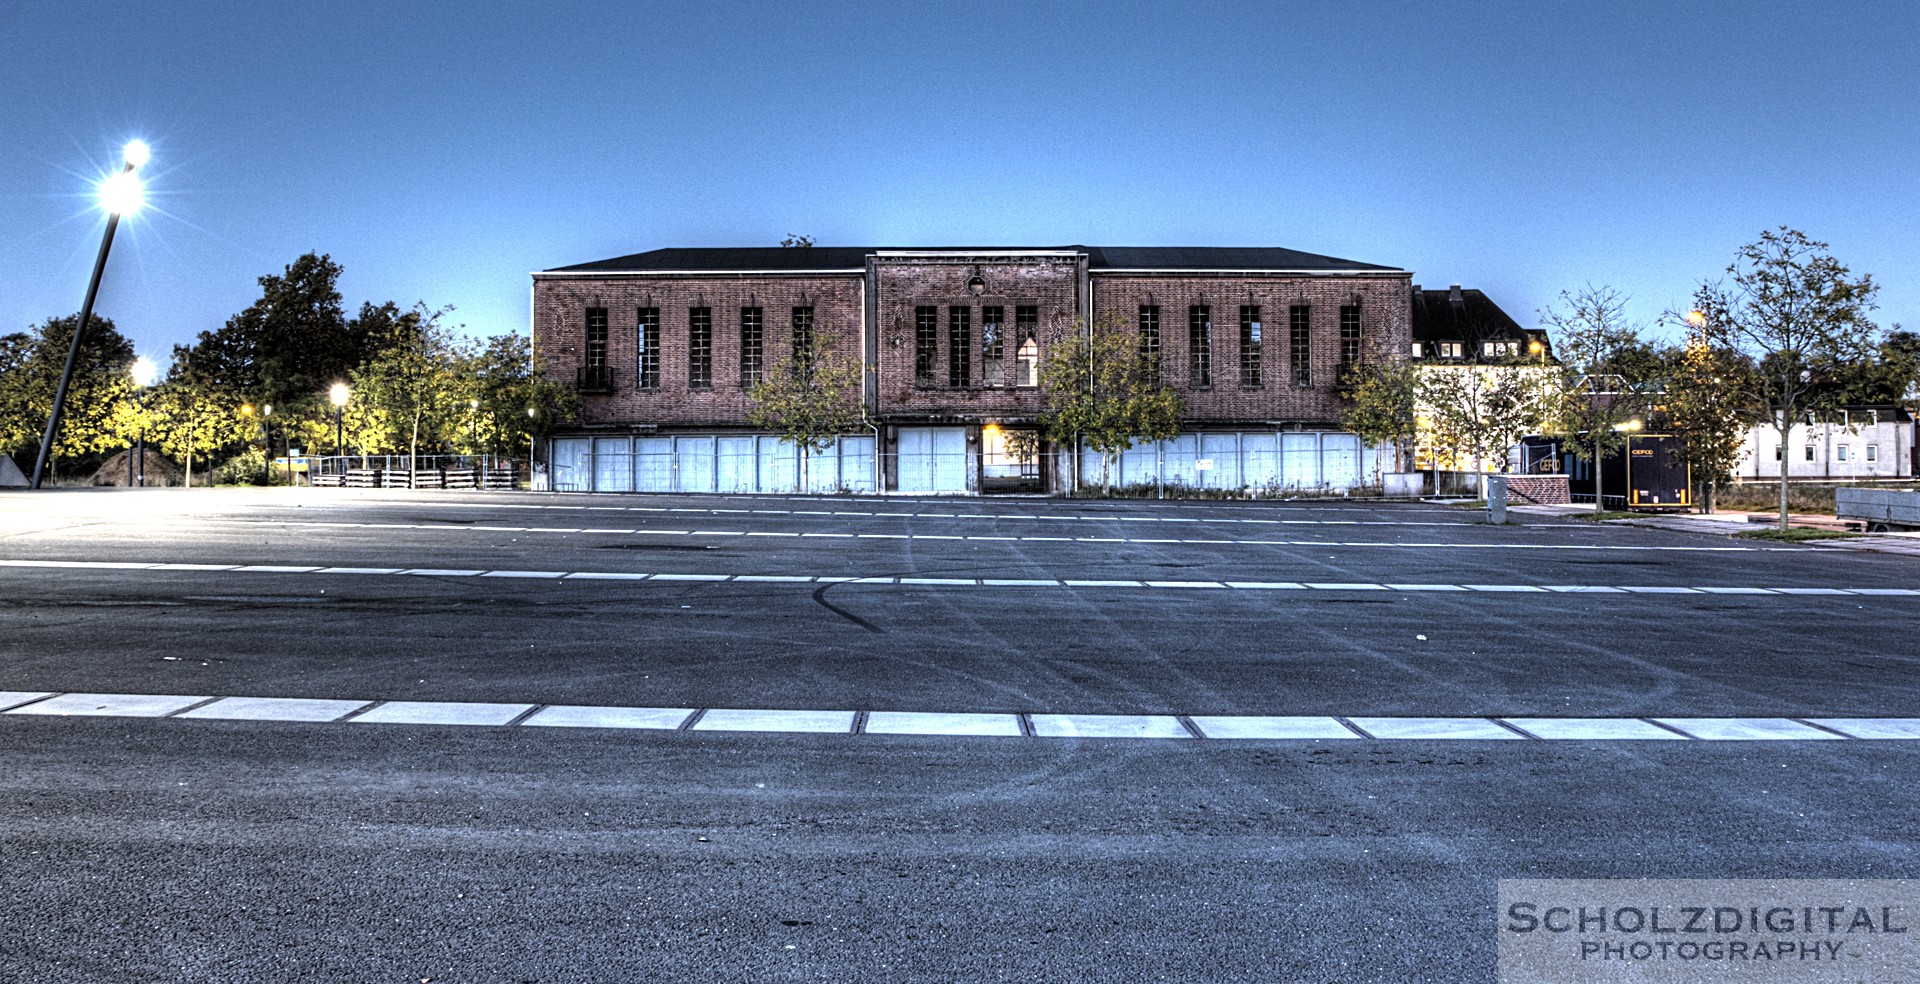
(441, 151)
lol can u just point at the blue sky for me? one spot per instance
(443, 151)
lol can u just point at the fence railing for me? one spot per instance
(397, 471)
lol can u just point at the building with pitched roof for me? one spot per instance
(666, 345)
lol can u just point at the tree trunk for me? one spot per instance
(1786, 462)
(1599, 484)
(413, 452)
(806, 459)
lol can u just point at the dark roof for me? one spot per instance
(777, 258)
(1472, 317)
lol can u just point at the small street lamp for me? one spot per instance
(338, 395)
(120, 194)
(144, 373)
(266, 441)
(530, 418)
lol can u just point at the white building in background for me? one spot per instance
(1859, 444)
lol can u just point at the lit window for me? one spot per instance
(1416, 350)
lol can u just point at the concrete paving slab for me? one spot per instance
(1878, 728)
(441, 712)
(1748, 729)
(1272, 727)
(586, 716)
(917, 723)
(723, 719)
(1108, 726)
(1593, 729)
(276, 709)
(111, 705)
(1424, 728)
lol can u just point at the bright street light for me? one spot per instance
(144, 372)
(120, 195)
(338, 394)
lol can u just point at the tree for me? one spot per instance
(409, 382)
(1099, 389)
(1889, 374)
(1383, 392)
(192, 413)
(1477, 413)
(500, 380)
(810, 399)
(1710, 395)
(96, 416)
(1605, 373)
(1801, 315)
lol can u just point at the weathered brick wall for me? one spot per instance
(1545, 490)
(1384, 319)
(904, 283)
(559, 331)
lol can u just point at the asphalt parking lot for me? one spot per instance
(193, 849)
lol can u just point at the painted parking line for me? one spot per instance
(442, 712)
(786, 721)
(911, 581)
(1108, 726)
(1748, 729)
(1246, 727)
(275, 709)
(1594, 729)
(111, 705)
(955, 723)
(942, 723)
(578, 716)
(1435, 728)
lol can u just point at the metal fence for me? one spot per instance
(427, 471)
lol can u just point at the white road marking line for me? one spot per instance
(443, 572)
(690, 577)
(1014, 582)
(1244, 727)
(774, 578)
(1268, 585)
(1426, 587)
(1102, 584)
(766, 720)
(1656, 589)
(1442, 728)
(359, 570)
(276, 709)
(1747, 729)
(936, 723)
(582, 716)
(110, 705)
(1878, 728)
(542, 574)
(1502, 587)
(276, 569)
(1711, 590)
(938, 580)
(607, 576)
(1108, 726)
(1886, 592)
(14, 698)
(1581, 588)
(1185, 584)
(1592, 729)
(194, 567)
(1811, 591)
(441, 712)
(1344, 586)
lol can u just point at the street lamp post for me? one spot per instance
(266, 441)
(144, 373)
(121, 194)
(530, 439)
(338, 395)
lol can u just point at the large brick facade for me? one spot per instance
(923, 324)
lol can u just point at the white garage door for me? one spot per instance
(933, 459)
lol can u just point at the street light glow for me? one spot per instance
(136, 153)
(338, 394)
(144, 372)
(122, 194)
(1696, 318)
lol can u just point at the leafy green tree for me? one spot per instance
(192, 414)
(810, 400)
(1801, 315)
(1606, 374)
(1890, 373)
(501, 379)
(96, 417)
(1098, 389)
(410, 381)
(1478, 412)
(1382, 396)
(1711, 396)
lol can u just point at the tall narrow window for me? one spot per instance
(649, 345)
(926, 343)
(596, 338)
(752, 346)
(1200, 345)
(700, 348)
(803, 338)
(993, 365)
(1026, 358)
(1249, 344)
(959, 346)
(1300, 344)
(1350, 339)
(1150, 342)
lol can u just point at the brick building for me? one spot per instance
(665, 345)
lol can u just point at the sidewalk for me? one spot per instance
(1728, 522)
